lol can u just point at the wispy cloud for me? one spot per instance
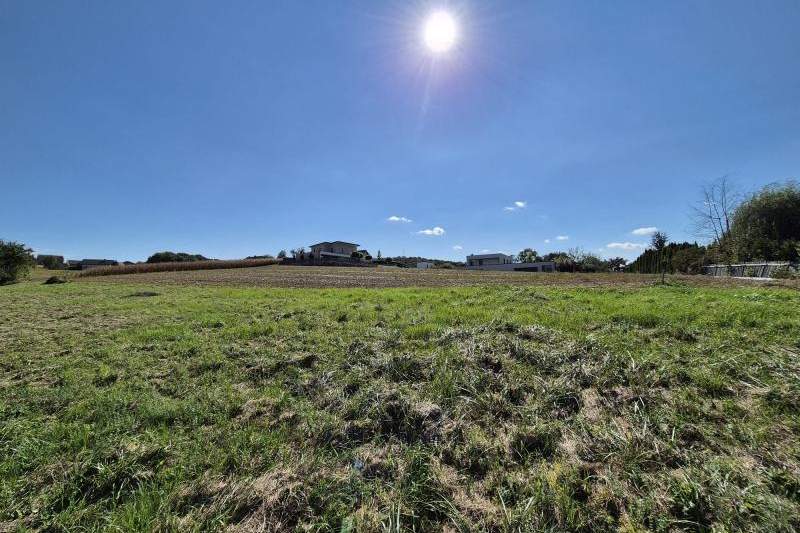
(649, 230)
(627, 246)
(458, 247)
(395, 218)
(547, 241)
(519, 204)
(562, 237)
(435, 231)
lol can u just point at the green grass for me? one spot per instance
(473, 408)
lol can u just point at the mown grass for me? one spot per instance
(473, 408)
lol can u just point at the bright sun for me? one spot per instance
(440, 32)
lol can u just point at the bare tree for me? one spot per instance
(713, 214)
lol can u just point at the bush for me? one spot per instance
(786, 272)
(15, 261)
(766, 226)
(50, 262)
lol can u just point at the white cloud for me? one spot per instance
(547, 241)
(458, 247)
(627, 246)
(395, 218)
(645, 231)
(562, 237)
(436, 231)
(518, 204)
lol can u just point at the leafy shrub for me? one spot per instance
(50, 262)
(15, 261)
(786, 272)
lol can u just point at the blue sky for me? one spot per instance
(232, 129)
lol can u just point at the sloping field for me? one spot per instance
(498, 408)
(344, 277)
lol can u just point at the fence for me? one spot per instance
(748, 270)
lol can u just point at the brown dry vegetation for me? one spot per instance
(332, 277)
(145, 268)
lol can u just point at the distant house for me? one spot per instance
(489, 259)
(424, 264)
(506, 262)
(333, 250)
(85, 264)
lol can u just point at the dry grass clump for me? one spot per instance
(509, 428)
(177, 266)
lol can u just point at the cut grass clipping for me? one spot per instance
(459, 409)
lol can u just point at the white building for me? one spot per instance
(488, 259)
(333, 250)
(424, 264)
(506, 262)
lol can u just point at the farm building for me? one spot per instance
(85, 264)
(424, 264)
(333, 250)
(506, 262)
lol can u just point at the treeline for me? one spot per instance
(411, 262)
(763, 226)
(175, 257)
(573, 260)
(684, 257)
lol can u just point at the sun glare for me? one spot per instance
(440, 32)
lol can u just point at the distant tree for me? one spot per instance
(282, 254)
(766, 226)
(16, 260)
(175, 257)
(576, 256)
(713, 217)
(616, 263)
(592, 263)
(685, 257)
(563, 261)
(50, 262)
(379, 255)
(528, 255)
(658, 242)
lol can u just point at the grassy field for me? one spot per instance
(344, 277)
(185, 402)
